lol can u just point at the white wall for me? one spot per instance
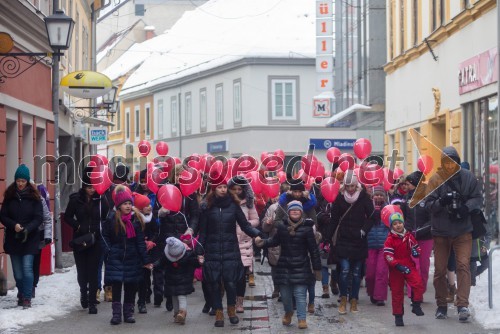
(409, 95)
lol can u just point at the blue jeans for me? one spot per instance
(311, 291)
(350, 270)
(22, 267)
(325, 275)
(299, 291)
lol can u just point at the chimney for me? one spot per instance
(150, 32)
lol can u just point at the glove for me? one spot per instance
(149, 245)
(317, 274)
(47, 241)
(463, 212)
(446, 200)
(259, 242)
(362, 234)
(163, 212)
(404, 269)
(414, 251)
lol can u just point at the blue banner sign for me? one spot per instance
(325, 144)
(217, 146)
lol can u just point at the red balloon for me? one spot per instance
(398, 172)
(101, 179)
(270, 187)
(371, 174)
(272, 163)
(346, 161)
(161, 148)
(387, 211)
(170, 197)
(387, 185)
(493, 169)
(279, 153)
(263, 155)
(330, 189)
(425, 164)
(253, 178)
(362, 148)
(189, 182)
(309, 182)
(333, 154)
(245, 164)
(177, 160)
(99, 160)
(144, 147)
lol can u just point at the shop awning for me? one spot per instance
(96, 121)
(346, 112)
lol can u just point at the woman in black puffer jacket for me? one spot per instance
(22, 214)
(298, 251)
(353, 214)
(219, 242)
(85, 212)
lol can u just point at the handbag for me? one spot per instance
(332, 255)
(83, 242)
(478, 224)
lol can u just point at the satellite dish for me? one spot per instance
(86, 84)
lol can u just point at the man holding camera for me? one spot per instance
(453, 194)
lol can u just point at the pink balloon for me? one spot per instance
(330, 189)
(362, 148)
(272, 163)
(333, 154)
(387, 211)
(245, 164)
(253, 178)
(387, 185)
(281, 176)
(398, 172)
(144, 147)
(271, 187)
(280, 153)
(371, 174)
(346, 161)
(309, 164)
(309, 182)
(161, 148)
(189, 182)
(425, 164)
(170, 197)
(99, 160)
(177, 160)
(101, 179)
(263, 155)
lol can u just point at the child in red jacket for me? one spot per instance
(399, 248)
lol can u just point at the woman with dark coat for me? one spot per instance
(85, 212)
(219, 242)
(298, 251)
(22, 214)
(125, 254)
(352, 219)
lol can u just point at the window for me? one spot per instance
(465, 4)
(147, 120)
(136, 122)
(203, 110)
(237, 102)
(219, 107)
(117, 126)
(139, 10)
(127, 124)
(284, 99)
(442, 12)
(391, 31)
(173, 115)
(77, 41)
(85, 47)
(434, 14)
(188, 113)
(160, 119)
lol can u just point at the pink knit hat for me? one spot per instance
(122, 196)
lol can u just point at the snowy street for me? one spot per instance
(56, 309)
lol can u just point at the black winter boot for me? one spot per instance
(416, 309)
(84, 299)
(142, 308)
(399, 320)
(128, 313)
(117, 313)
(92, 308)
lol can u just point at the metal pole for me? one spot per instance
(498, 112)
(55, 110)
(490, 276)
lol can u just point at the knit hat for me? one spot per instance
(121, 173)
(298, 186)
(350, 179)
(175, 249)
(396, 216)
(295, 205)
(141, 201)
(414, 178)
(86, 176)
(122, 196)
(22, 172)
(379, 189)
(238, 180)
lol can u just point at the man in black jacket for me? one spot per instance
(453, 194)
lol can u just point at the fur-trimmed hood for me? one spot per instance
(248, 194)
(307, 199)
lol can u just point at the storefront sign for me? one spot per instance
(324, 45)
(478, 71)
(321, 108)
(217, 146)
(98, 135)
(325, 144)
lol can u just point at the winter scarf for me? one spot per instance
(352, 198)
(127, 219)
(293, 226)
(401, 235)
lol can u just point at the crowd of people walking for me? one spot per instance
(151, 251)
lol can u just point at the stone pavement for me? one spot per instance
(263, 315)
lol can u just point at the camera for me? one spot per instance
(455, 200)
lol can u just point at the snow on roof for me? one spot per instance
(223, 31)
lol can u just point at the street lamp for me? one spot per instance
(59, 30)
(108, 104)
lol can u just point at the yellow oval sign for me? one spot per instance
(86, 84)
(6, 42)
